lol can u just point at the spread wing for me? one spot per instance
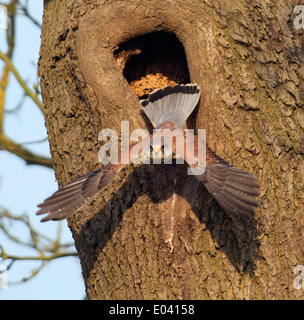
(234, 189)
(63, 203)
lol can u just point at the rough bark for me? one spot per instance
(156, 233)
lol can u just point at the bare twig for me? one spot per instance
(18, 150)
(33, 95)
(25, 11)
(46, 249)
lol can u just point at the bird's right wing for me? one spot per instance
(63, 203)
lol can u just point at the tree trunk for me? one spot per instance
(156, 233)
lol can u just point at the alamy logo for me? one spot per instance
(3, 17)
(299, 280)
(3, 277)
(298, 22)
(159, 148)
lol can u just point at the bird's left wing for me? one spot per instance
(235, 190)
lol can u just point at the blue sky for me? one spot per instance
(22, 187)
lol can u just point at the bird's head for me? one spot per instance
(160, 151)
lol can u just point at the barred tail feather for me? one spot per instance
(173, 104)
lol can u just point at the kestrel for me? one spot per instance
(168, 109)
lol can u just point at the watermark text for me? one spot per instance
(3, 277)
(3, 17)
(140, 147)
(298, 282)
(298, 22)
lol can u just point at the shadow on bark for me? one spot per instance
(236, 237)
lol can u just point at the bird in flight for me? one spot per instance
(168, 109)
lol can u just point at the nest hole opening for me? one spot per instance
(152, 61)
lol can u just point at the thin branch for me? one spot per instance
(32, 275)
(54, 256)
(35, 235)
(10, 31)
(25, 11)
(3, 86)
(23, 153)
(46, 249)
(10, 39)
(28, 91)
(34, 142)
